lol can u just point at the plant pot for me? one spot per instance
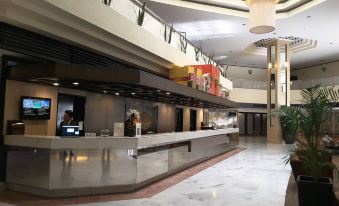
(315, 193)
(298, 168)
(327, 172)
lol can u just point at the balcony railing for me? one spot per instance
(296, 85)
(158, 27)
(248, 84)
(302, 84)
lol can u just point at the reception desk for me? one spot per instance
(37, 164)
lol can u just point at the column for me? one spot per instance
(278, 86)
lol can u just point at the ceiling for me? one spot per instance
(228, 36)
(240, 5)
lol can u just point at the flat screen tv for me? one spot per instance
(232, 114)
(35, 108)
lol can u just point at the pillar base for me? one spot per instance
(274, 135)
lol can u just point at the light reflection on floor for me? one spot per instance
(256, 176)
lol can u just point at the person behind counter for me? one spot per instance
(67, 121)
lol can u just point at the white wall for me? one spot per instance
(235, 72)
(321, 71)
(258, 74)
(130, 10)
(257, 96)
(254, 96)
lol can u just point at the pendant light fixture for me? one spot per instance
(262, 15)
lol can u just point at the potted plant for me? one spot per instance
(130, 124)
(314, 188)
(289, 123)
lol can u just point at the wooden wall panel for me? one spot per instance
(16, 89)
(166, 118)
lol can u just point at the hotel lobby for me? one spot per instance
(169, 102)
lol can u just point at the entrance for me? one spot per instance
(193, 120)
(252, 124)
(179, 119)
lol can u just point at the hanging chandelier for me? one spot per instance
(262, 15)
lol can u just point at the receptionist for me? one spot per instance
(68, 119)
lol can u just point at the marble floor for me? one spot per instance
(256, 176)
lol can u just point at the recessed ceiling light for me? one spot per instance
(244, 24)
(117, 94)
(105, 92)
(75, 83)
(168, 93)
(308, 17)
(133, 93)
(56, 84)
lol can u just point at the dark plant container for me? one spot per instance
(298, 167)
(315, 193)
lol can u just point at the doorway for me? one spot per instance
(179, 119)
(193, 120)
(74, 103)
(252, 124)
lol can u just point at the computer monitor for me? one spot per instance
(70, 131)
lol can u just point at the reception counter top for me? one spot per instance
(145, 141)
(43, 165)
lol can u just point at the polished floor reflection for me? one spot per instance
(256, 176)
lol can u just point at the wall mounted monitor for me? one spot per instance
(232, 114)
(35, 108)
